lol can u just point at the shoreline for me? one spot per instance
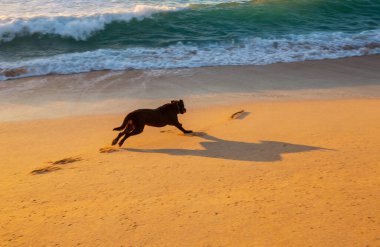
(181, 68)
(112, 92)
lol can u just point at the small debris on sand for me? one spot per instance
(237, 114)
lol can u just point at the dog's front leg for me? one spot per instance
(179, 126)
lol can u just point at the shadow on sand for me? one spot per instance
(264, 151)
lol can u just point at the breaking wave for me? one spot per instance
(257, 51)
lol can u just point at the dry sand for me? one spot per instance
(300, 167)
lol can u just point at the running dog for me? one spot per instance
(135, 121)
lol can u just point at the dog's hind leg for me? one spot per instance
(127, 130)
(135, 131)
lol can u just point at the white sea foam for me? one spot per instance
(256, 51)
(77, 27)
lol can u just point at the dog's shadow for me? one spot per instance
(264, 151)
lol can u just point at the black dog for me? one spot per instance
(135, 121)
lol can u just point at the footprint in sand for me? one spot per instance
(108, 150)
(55, 165)
(66, 161)
(45, 170)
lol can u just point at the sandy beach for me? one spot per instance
(299, 167)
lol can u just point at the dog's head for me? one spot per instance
(180, 105)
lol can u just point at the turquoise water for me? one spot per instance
(78, 36)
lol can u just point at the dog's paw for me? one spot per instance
(188, 131)
(114, 142)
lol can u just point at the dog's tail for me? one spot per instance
(124, 124)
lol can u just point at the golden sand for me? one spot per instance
(289, 172)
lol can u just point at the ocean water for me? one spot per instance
(42, 37)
